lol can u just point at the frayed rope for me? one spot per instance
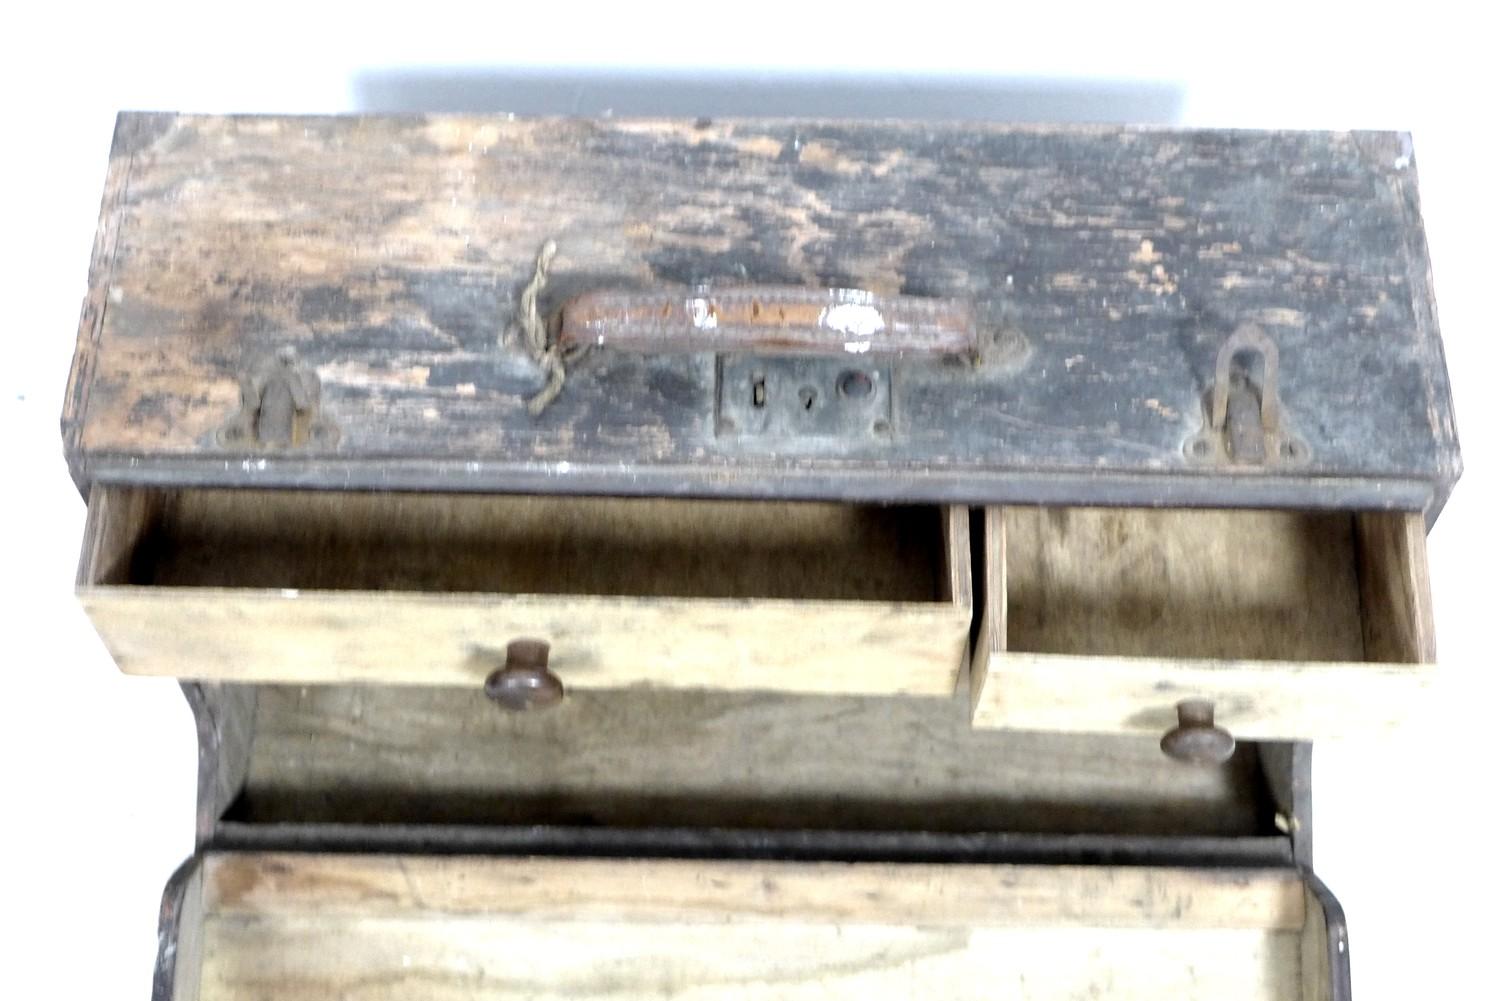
(534, 333)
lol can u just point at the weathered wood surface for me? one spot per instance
(1106, 266)
(360, 754)
(361, 927)
(408, 588)
(1296, 625)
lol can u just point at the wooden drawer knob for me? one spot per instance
(1196, 739)
(525, 682)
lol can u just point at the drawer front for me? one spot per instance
(430, 589)
(363, 927)
(1291, 625)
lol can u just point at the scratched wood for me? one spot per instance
(1105, 267)
(359, 927)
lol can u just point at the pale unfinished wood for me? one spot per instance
(117, 521)
(428, 589)
(1113, 616)
(351, 927)
(942, 896)
(1394, 588)
(711, 759)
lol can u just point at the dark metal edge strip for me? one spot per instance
(781, 845)
(1339, 988)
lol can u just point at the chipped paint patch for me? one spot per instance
(1158, 407)
(703, 314)
(1281, 317)
(362, 375)
(853, 319)
(1146, 254)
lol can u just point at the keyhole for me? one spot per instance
(807, 396)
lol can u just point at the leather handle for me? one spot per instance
(770, 320)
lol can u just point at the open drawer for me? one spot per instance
(1292, 625)
(414, 588)
(300, 927)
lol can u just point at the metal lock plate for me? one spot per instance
(791, 400)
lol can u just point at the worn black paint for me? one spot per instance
(1102, 347)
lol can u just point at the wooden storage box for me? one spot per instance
(861, 508)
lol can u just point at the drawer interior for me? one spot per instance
(369, 755)
(358, 926)
(1133, 582)
(1101, 619)
(424, 542)
(422, 589)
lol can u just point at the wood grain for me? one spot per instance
(1394, 589)
(401, 589)
(1113, 616)
(942, 896)
(302, 927)
(1106, 267)
(361, 754)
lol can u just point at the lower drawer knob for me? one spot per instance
(1196, 739)
(525, 682)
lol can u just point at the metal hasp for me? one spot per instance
(279, 407)
(1196, 739)
(525, 682)
(1245, 424)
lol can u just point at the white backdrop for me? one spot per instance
(97, 771)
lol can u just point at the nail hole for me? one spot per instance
(755, 308)
(855, 384)
(807, 396)
(758, 390)
(881, 427)
(1200, 448)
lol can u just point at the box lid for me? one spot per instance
(376, 273)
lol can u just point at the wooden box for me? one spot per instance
(762, 558)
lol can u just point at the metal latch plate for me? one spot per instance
(787, 400)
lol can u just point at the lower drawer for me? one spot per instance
(309, 927)
(1288, 624)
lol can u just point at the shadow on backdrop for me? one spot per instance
(690, 95)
